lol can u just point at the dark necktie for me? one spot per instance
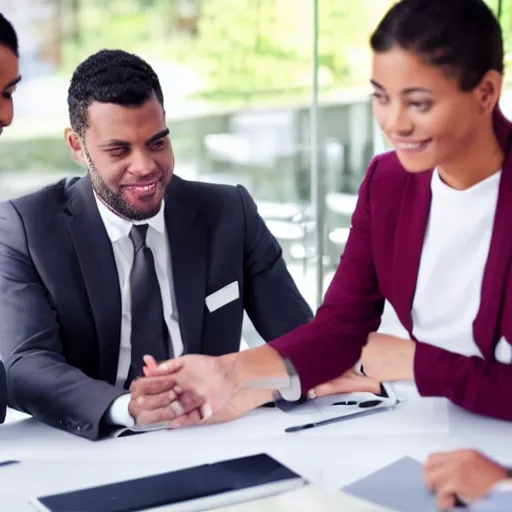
(149, 331)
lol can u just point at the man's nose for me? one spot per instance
(142, 163)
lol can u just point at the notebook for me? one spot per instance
(208, 486)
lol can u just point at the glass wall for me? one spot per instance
(271, 94)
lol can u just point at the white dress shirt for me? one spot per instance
(118, 230)
(448, 289)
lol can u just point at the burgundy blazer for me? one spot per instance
(381, 261)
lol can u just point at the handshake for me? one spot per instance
(191, 390)
(195, 389)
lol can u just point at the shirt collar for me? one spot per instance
(117, 227)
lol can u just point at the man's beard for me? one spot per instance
(115, 201)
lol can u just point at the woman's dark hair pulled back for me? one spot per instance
(461, 36)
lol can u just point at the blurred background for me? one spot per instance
(271, 94)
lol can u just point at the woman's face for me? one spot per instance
(9, 77)
(427, 118)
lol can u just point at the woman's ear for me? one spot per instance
(488, 91)
(75, 146)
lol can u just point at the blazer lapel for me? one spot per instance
(188, 246)
(497, 266)
(97, 262)
(411, 228)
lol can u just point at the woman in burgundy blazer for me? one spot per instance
(437, 76)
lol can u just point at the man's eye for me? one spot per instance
(117, 152)
(158, 144)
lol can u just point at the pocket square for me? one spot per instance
(222, 297)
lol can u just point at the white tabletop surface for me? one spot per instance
(54, 461)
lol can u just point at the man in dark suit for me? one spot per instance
(98, 271)
(9, 78)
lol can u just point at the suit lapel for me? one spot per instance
(97, 262)
(497, 266)
(188, 246)
(411, 228)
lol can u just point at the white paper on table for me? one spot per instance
(414, 414)
(307, 499)
(329, 406)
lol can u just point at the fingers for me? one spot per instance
(441, 477)
(322, 390)
(200, 415)
(435, 477)
(150, 363)
(445, 499)
(141, 402)
(436, 459)
(192, 418)
(149, 402)
(170, 366)
(183, 406)
(151, 386)
(153, 369)
(206, 411)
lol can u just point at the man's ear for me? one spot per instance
(75, 146)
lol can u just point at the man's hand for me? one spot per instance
(349, 382)
(153, 400)
(464, 473)
(388, 358)
(244, 401)
(208, 378)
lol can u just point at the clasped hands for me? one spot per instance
(196, 389)
(181, 391)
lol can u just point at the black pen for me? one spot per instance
(8, 462)
(366, 412)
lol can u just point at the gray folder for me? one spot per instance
(398, 486)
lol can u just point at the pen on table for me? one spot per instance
(366, 412)
(8, 462)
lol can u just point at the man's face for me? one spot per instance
(129, 157)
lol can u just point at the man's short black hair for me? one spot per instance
(110, 76)
(8, 35)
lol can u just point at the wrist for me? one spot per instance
(408, 363)
(232, 372)
(259, 368)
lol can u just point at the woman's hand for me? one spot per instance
(465, 474)
(349, 382)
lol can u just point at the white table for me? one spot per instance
(333, 456)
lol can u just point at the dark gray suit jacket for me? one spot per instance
(60, 303)
(3, 393)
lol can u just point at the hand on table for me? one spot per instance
(349, 382)
(209, 379)
(387, 358)
(464, 473)
(153, 400)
